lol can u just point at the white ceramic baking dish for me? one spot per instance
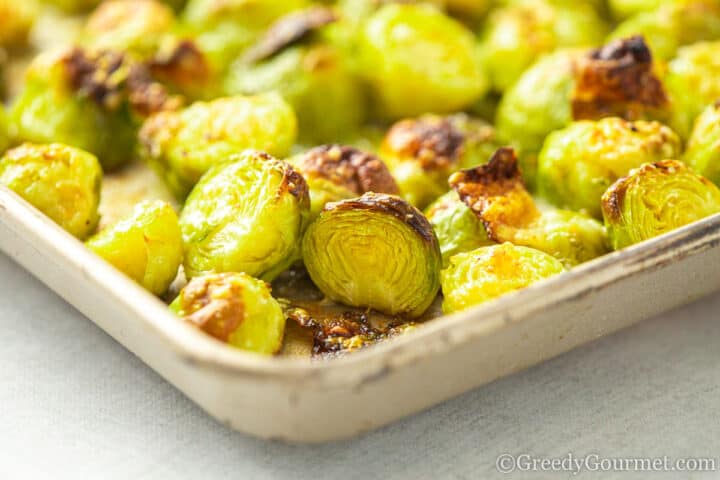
(300, 400)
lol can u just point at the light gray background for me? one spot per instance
(75, 404)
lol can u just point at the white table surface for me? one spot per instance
(75, 404)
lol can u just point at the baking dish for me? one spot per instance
(301, 400)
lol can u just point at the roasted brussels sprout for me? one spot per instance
(673, 24)
(692, 85)
(314, 77)
(615, 80)
(422, 152)
(16, 20)
(703, 148)
(489, 272)
(146, 246)
(182, 145)
(457, 227)
(138, 26)
(518, 34)
(88, 100)
(61, 181)
(245, 216)
(626, 8)
(655, 199)
(224, 28)
(496, 194)
(336, 172)
(579, 163)
(375, 251)
(418, 60)
(234, 308)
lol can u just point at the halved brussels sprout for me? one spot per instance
(418, 60)
(579, 163)
(313, 77)
(245, 216)
(375, 251)
(691, 81)
(234, 308)
(336, 172)
(224, 28)
(182, 145)
(16, 20)
(422, 152)
(518, 34)
(615, 80)
(703, 148)
(146, 246)
(457, 227)
(496, 194)
(88, 100)
(655, 199)
(138, 26)
(673, 24)
(489, 272)
(61, 181)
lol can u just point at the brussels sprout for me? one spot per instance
(146, 246)
(579, 163)
(673, 24)
(245, 216)
(138, 26)
(16, 20)
(314, 77)
(234, 308)
(496, 194)
(182, 145)
(703, 148)
(457, 227)
(224, 28)
(656, 198)
(422, 152)
(615, 80)
(490, 272)
(61, 181)
(418, 60)
(691, 83)
(375, 251)
(87, 100)
(518, 34)
(336, 172)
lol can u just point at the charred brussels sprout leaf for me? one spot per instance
(314, 77)
(138, 26)
(61, 181)
(655, 199)
(457, 227)
(579, 163)
(496, 194)
(375, 251)
(184, 144)
(146, 246)
(245, 216)
(418, 60)
(234, 308)
(89, 100)
(490, 272)
(422, 152)
(673, 24)
(336, 172)
(703, 148)
(691, 80)
(518, 34)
